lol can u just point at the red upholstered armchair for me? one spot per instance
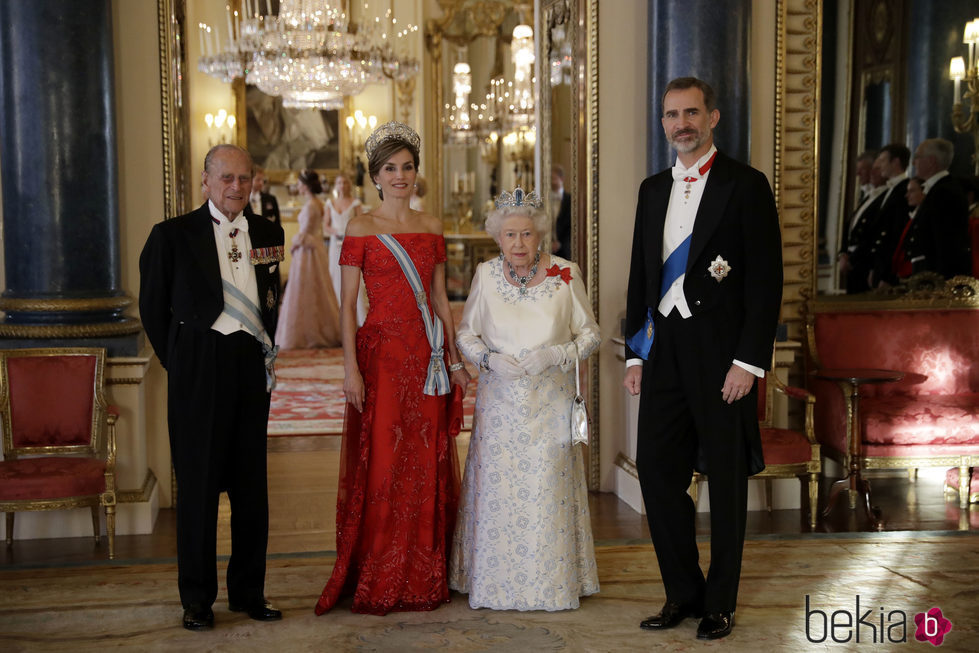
(788, 453)
(59, 443)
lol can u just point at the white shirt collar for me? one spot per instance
(238, 223)
(694, 170)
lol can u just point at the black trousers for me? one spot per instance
(218, 416)
(683, 424)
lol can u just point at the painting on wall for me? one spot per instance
(282, 140)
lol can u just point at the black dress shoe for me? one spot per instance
(715, 625)
(198, 618)
(258, 611)
(671, 614)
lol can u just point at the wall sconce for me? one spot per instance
(359, 127)
(965, 119)
(220, 128)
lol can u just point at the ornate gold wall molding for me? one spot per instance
(925, 290)
(588, 169)
(126, 326)
(171, 26)
(64, 304)
(797, 68)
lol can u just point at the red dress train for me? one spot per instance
(399, 476)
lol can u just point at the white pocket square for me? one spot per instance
(272, 267)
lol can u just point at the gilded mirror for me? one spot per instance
(885, 79)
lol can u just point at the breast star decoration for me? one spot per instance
(719, 268)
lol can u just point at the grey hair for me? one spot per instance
(943, 151)
(495, 218)
(209, 158)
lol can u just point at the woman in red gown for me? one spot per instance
(399, 477)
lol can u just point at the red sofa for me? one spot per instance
(928, 419)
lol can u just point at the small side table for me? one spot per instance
(850, 381)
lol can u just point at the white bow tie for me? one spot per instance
(683, 174)
(232, 229)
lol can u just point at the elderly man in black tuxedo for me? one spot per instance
(937, 237)
(209, 295)
(705, 288)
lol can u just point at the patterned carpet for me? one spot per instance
(308, 398)
(890, 577)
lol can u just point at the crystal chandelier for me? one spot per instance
(509, 104)
(459, 123)
(310, 54)
(521, 107)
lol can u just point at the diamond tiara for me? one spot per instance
(518, 198)
(392, 129)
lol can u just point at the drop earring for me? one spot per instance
(377, 186)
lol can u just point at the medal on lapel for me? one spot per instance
(270, 300)
(235, 254)
(719, 268)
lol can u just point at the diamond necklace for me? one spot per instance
(523, 281)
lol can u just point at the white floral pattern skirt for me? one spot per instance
(523, 538)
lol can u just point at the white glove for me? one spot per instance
(505, 365)
(540, 359)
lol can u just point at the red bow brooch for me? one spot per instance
(556, 271)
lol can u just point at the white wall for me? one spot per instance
(622, 129)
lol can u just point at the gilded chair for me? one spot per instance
(59, 442)
(787, 452)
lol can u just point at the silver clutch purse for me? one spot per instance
(579, 414)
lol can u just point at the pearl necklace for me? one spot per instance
(523, 281)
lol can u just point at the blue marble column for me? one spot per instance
(935, 36)
(708, 40)
(58, 161)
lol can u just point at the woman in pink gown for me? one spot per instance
(309, 316)
(399, 477)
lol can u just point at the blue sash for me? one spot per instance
(238, 306)
(437, 379)
(675, 266)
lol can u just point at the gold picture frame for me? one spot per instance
(282, 140)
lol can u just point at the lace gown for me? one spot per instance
(399, 484)
(338, 222)
(309, 316)
(523, 539)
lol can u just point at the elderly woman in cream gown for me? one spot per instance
(523, 537)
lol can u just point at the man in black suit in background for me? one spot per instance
(858, 233)
(704, 293)
(561, 202)
(209, 296)
(262, 203)
(937, 238)
(879, 242)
